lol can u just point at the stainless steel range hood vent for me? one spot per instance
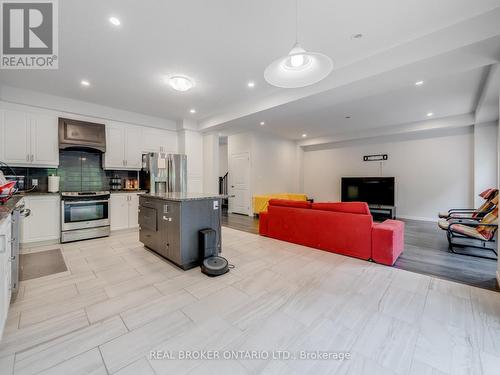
(81, 134)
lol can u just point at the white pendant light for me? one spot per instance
(299, 68)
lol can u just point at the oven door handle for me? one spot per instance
(69, 203)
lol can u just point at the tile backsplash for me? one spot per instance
(78, 170)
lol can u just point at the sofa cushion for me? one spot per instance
(337, 232)
(346, 207)
(488, 193)
(289, 203)
(387, 241)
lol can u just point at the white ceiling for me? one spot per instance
(223, 44)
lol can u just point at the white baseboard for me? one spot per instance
(419, 218)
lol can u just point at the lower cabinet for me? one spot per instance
(44, 222)
(5, 271)
(124, 210)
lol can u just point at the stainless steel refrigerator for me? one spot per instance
(163, 173)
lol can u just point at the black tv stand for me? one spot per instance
(382, 212)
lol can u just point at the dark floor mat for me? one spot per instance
(41, 264)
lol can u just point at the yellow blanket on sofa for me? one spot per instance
(260, 202)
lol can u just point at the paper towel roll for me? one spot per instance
(53, 184)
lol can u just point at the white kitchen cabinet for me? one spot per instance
(124, 211)
(118, 211)
(114, 158)
(44, 133)
(16, 143)
(44, 222)
(123, 147)
(133, 152)
(157, 140)
(133, 211)
(5, 271)
(29, 139)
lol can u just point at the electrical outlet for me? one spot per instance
(34, 182)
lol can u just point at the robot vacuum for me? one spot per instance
(214, 266)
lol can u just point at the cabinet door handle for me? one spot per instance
(32, 157)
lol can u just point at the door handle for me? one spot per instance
(32, 157)
(167, 218)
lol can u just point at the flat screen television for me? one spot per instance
(372, 190)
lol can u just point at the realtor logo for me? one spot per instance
(29, 37)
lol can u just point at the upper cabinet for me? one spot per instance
(123, 147)
(157, 140)
(29, 139)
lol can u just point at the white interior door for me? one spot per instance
(239, 183)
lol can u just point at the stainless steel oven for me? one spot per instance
(84, 215)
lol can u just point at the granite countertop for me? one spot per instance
(35, 192)
(128, 191)
(179, 197)
(7, 207)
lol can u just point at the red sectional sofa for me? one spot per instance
(339, 227)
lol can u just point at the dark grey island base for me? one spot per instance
(170, 224)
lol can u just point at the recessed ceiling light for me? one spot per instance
(304, 135)
(430, 114)
(84, 82)
(262, 123)
(114, 21)
(192, 110)
(419, 83)
(180, 82)
(348, 117)
(356, 36)
(251, 84)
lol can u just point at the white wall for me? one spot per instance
(72, 108)
(485, 158)
(434, 171)
(211, 164)
(223, 167)
(191, 144)
(275, 163)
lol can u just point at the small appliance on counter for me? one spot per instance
(131, 184)
(115, 183)
(21, 184)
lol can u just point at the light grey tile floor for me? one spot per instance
(119, 302)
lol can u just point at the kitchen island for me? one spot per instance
(170, 224)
